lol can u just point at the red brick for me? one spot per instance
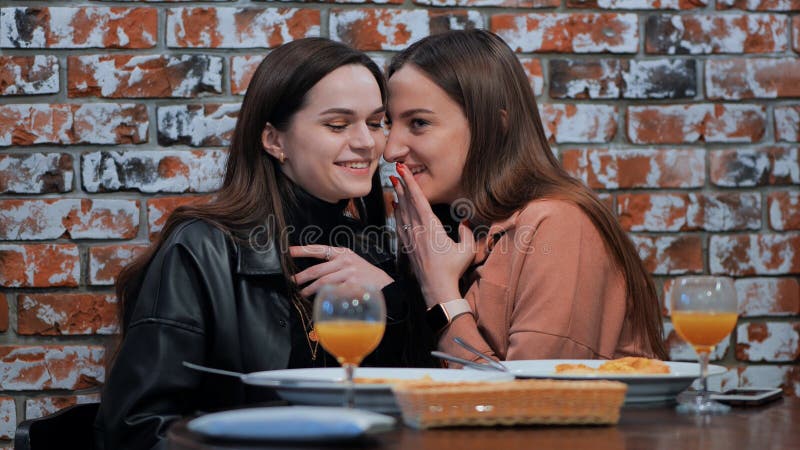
(8, 417)
(796, 33)
(755, 167)
(242, 69)
(725, 211)
(39, 265)
(379, 2)
(86, 27)
(760, 5)
(666, 255)
(768, 296)
(579, 122)
(40, 367)
(659, 78)
(481, 3)
(784, 210)
(736, 79)
(571, 78)
(66, 314)
(228, 27)
(680, 350)
(754, 254)
(636, 168)
(689, 212)
(144, 76)
(90, 123)
(73, 218)
(198, 125)
(613, 78)
(154, 171)
(569, 32)
(787, 123)
(105, 262)
(44, 406)
(676, 124)
(768, 341)
(35, 173)
(533, 68)
(3, 313)
(395, 29)
(641, 4)
(761, 376)
(159, 210)
(716, 33)
(441, 21)
(28, 75)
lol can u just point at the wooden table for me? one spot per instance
(775, 426)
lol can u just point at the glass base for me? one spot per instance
(701, 406)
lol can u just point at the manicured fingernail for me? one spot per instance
(394, 180)
(394, 205)
(401, 169)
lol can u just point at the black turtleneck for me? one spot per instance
(315, 221)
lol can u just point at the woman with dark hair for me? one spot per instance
(553, 275)
(228, 283)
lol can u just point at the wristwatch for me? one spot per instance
(440, 315)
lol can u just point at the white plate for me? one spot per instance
(291, 423)
(647, 388)
(325, 386)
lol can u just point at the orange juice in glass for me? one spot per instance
(704, 312)
(702, 329)
(349, 321)
(349, 340)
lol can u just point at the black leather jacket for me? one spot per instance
(208, 299)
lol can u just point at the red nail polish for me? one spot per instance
(401, 169)
(393, 179)
(394, 205)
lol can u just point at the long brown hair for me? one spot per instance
(254, 188)
(509, 161)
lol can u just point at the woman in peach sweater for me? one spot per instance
(543, 269)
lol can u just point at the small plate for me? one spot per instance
(291, 423)
(643, 388)
(325, 386)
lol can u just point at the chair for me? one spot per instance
(70, 427)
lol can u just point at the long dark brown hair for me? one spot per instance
(254, 188)
(509, 161)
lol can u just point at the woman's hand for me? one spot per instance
(438, 262)
(342, 265)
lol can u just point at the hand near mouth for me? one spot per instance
(437, 260)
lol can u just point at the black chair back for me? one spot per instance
(71, 427)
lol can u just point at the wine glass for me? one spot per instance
(704, 312)
(349, 320)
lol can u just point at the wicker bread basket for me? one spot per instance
(438, 404)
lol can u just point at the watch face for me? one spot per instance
(436, 318)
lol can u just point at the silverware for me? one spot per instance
(214, 371)
(260, 381)
(497, 365)
(465, 362)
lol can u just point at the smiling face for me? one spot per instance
(429, 134)
(333, 143)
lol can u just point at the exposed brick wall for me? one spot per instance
(683, 114)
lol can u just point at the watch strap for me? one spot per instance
(440, 315)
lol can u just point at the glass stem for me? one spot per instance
(705, 356)
(349, 392)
